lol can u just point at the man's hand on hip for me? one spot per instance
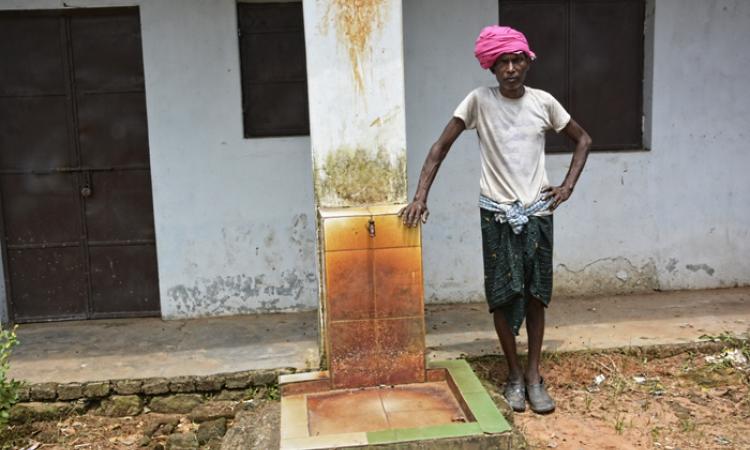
(558, 194)
(412, 213)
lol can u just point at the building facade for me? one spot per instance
(234, 217)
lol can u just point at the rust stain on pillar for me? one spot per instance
(355, 22)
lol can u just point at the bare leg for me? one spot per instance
(508, 343)
(535, 330)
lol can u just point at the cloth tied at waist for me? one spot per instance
(514, 213)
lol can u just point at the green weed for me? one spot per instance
(8, 387)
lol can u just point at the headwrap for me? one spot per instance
(495, 40)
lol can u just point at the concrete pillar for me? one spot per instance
(355, 71)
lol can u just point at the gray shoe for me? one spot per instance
(539, 399)
(515, 395)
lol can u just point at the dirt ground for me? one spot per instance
(605, 400)
(670, 402)
(94, 432)
(146, 431)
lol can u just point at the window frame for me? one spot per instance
(246, 81)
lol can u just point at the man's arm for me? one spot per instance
(417, 209)
(583, 142)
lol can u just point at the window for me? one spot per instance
(274, 76)
(590, 57)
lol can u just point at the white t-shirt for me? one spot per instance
(511, 138)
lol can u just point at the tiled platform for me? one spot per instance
(453, 404)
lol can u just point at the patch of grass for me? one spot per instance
(587, 403)
(689, 363)
(656, 433)
(267, 392)
(687, 425)
(619, 423)
(273, 392)
(553, 357)
(8, 386)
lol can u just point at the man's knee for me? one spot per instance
(534, 305)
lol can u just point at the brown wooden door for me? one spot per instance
(75, 186)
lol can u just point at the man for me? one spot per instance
(516, 200)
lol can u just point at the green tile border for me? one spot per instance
(489, 419)
(424, 433)
(479, 401)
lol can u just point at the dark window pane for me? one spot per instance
(590, 57)
(274, 75)
(606, 62)
(264, 17)
(278, 109)
(272, 57)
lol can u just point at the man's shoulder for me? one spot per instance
(482, 92)
(541, 94)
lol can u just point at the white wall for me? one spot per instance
(235, 224)
(675, 217)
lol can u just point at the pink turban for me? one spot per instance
(495, 40)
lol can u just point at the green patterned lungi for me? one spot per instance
(516, 266)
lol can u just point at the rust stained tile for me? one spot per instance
(381, 369)
(400, 345)
(305, 387)
(419, 397)
(357, 377)
(398, 282)
(425, 418)
(391, 232)
(346, 411)
(436, 375)
(349, 285)
(352, 353)
(346, 401)
(352, 340)
(405, 335)
(346, 233)
(401, 368)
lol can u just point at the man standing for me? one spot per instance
(516, 200)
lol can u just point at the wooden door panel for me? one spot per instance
(124, 281)
(113, 130)
(48, 283)
(32, 60)
(41, 209)
(34, 133)
(107, 51)
(119, 208)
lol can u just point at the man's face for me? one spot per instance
(510, 70)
